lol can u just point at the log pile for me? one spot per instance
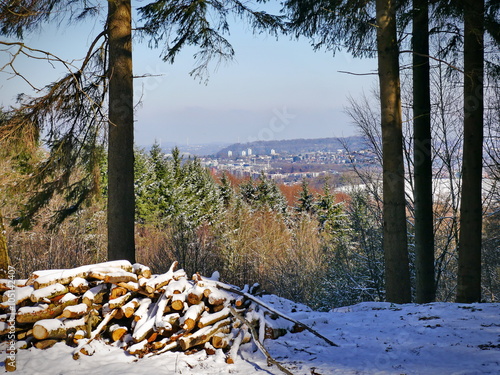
(127, 306)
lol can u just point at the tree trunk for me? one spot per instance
(469, 247)
(422, 160)
(4, 253)
(397, 273)
(121, 202)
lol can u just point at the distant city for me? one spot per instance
(287, 161)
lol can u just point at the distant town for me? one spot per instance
(290, 161)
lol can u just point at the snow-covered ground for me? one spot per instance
(373, 338)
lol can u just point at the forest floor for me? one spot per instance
(373, 338)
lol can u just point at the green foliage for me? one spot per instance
(263, 194)
(330, 214)
(334, 25)
(306, 199)
(172, 190)
(202, 24)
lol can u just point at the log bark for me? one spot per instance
(120, 301)
(18, 295)
(45, 344)
(210, 319)
(27, 315)
(49, 329)
(48, 292)
(75, 311)
(121, 198)
(397, 270)
(63, 277)
(203, 335)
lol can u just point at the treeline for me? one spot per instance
(321, 248)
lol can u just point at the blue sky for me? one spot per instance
(274, 89)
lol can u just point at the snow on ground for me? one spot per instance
(373, 338)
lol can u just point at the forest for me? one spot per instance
(76, 191)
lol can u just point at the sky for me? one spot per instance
(273, 89)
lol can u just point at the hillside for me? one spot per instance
(294, 146)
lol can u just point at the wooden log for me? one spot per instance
(63, 277)
(270, 309)
(45, 344)
(158, 281)
(116, 332)
(130, 307)
(145, 325)
(216, 297)
(117, 291)
(195, 295)
(167, 322)
(178, 302)
(87, 350)
(221, 339)
(163, 346)
(79, 334)
(112, 276)
(202, 335)
(119, 314)
(217, 308)
(235, 346)
(142, 309)
(67, 299)
(95, 295)
(141, 270)
(23, 335)
(120, 301)
(45, 278)
(75, 311)
(132, 286)
(48, 292)
(49, 329)
(209, 319)
(177, 287)
(18, 296)
(6, 284)
(138, 349)
(209, 349)
(161, 305)
(78, 285)
(32, 314)
(192, 315)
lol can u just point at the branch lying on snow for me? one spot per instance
(257, 301)
(255, 336)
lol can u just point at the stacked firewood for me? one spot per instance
(126, 305)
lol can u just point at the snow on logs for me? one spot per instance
(126, 305)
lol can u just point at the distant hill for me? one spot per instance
(194, 149)
(294, 146)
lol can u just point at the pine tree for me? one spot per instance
(471, 208)
(306, 199)
(422, 158)
(72, 110)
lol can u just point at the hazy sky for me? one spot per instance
(274, 89)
